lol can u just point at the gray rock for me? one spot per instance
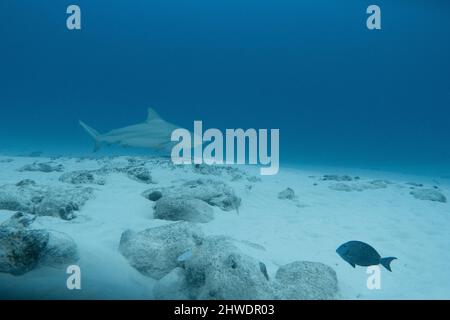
(218, 270)
(154, 196)
(82, 177)
(141, 174)
(61, 250)
(360, 186)
(214, 268)
(63, 202)
(303, 280)
(415, 184)
(19, 220)
(336, 177)
(20, 249)
(209, 170)
(341, 187)
(429, 194)
(18, 197)
(43, 167)
(253, 179)
(213, 192)
(234, 173)
(154, 251)
(135, 169)
(176, 208)
(377, 184)
(287, 193)
(27, 196)
(25, 182)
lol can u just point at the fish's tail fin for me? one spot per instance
(93, 133)
(386, 262)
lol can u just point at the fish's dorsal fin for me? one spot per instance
(152, 115)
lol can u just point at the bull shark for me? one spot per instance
(153, 133)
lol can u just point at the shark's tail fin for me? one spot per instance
(386, 262)
(93, 133)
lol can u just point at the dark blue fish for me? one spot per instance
(361, 254)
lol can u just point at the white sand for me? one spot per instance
(417, 232)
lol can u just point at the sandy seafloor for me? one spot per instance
(309, 228)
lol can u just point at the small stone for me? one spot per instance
(25, 182)
(20, 249)
(415, 184)
(155, 195)
(154, 252)
(20, 220)
(304, 280)
(335, 177)
(429, 194)
(176, 208)
(220, 271)
(341, 187)
(140, 174)
(43, 200)
(288, 193)
(43, 167)
(81, 177)
(213, 192)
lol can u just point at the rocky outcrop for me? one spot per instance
(177, 208)
(154, 195)
(219, 270)
(190, 265)
(336, 177)
(43, 167)
(304, 280)
(140, 174)
(154, 251)
(287, 193)
(233, 173)
(215, 269)
(29, 197)
(23, 248)
(20, 249)
(360, 186)
(429, 194)
(82, 177)
(213, 192)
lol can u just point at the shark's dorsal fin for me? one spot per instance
(152, 115)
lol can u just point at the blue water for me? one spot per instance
(339, 93)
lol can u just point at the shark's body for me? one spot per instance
(153, 133)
